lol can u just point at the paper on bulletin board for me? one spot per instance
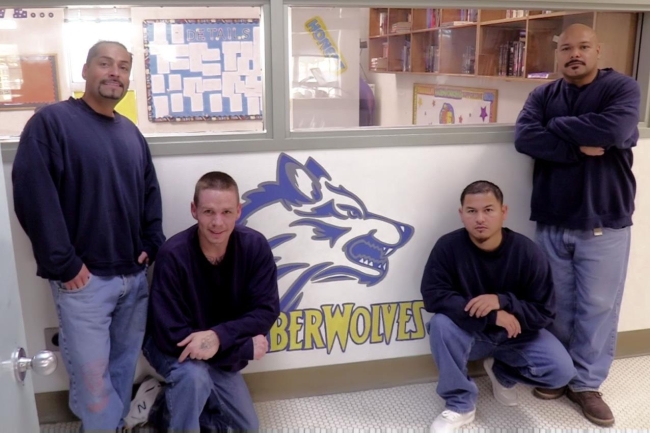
(126, 107)
(449, 105)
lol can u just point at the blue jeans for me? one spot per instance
(589, 276)
(535, 358)
(200, 395)
(101, 328)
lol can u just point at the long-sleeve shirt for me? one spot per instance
(571, 189)
(237, 299)
(85, 192)
(517, 272)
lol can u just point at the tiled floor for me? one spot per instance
(412, 408)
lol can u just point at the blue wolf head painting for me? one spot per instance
(304, 208)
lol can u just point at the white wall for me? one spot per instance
(416, 185)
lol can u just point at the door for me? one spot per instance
(17, 407)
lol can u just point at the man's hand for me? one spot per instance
(143, 258)
(592, 151)
(509, 322)
(200, 345)
(260, 347)
(482, 305)
(79, 281)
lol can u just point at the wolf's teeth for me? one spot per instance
(360, 260)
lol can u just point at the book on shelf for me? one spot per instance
(469, 15)
(516, 13)
(433, 18)
(402, 27)
(512, 57)
(456, 23)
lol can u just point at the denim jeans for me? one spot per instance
(101, 328)
(535, 358)
(589, 276)
(198, 395)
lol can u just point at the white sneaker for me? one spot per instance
(505, 396)
(142, 403)
(448, 421)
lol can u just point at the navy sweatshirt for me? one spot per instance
(85, 192)
(571, 189)
(238, 298)
(517, 272)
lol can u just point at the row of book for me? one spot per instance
(520, 13)
(511, 59)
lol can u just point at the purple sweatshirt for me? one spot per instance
(238, 298)
(570, 189)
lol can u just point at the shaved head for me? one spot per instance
(577, 54)
(580, 31)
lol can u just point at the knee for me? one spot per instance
(564, 370)
(191, 376)
(441, 326)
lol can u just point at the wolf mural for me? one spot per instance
(304, 207)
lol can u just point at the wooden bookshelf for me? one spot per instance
(502, 44)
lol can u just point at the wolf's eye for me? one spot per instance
(351, 212)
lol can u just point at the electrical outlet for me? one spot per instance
(52, 339)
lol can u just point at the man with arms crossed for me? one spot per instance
(580, 130)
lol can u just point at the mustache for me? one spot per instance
(574, 62)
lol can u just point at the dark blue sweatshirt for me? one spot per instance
(85, 191)
(238, 298)
(570, 189)
(517, 271)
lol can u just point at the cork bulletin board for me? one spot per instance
(28, 81)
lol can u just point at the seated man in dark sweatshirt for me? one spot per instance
(214, 297)
(492, 294)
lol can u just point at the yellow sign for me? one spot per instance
(316, 27)
(321, 328)
(126, 107)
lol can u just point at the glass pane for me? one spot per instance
(195, 69)
(396, 67)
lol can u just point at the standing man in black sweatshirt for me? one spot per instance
(492, 294)
(86, 194)
(581, 130)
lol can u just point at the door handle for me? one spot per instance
(43, 363)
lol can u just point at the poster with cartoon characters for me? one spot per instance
(449, 105)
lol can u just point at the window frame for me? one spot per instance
(277, 135)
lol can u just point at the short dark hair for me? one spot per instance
(94, 50)
(216, 180)
(482, 187)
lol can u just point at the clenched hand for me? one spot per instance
(260, 347)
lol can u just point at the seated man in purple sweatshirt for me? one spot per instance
(214, 297)
(492, 294)
(580, 130)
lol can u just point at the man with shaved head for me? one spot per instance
(580, 130)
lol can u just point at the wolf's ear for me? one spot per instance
(305, 179)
